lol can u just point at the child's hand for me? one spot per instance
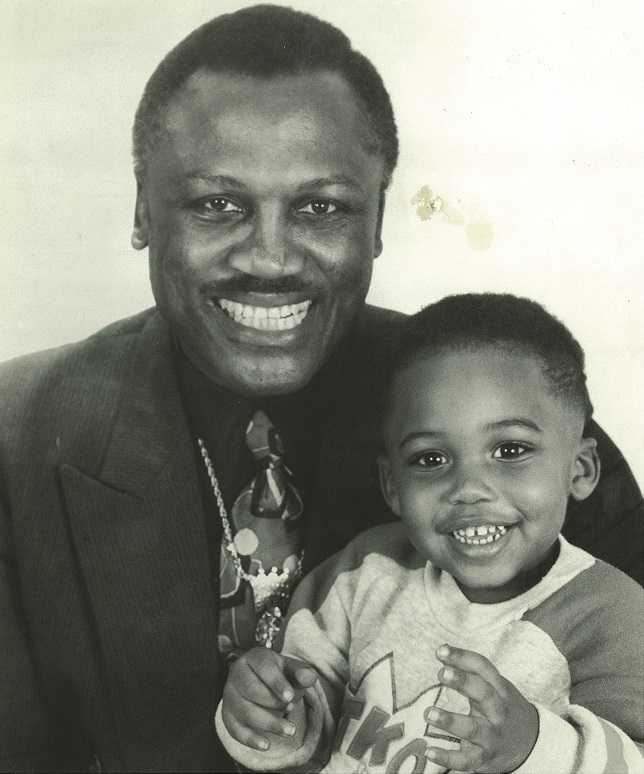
(261, 689)
(502, 727)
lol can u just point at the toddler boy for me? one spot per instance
(469, 636)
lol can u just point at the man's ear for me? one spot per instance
(586, 470)
(381, 213)
(387, 486)
(139, 239)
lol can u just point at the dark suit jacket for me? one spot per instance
(107, 604)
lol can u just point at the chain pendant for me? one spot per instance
(271, 590)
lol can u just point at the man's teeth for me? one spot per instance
(266, 318)
(478, 536)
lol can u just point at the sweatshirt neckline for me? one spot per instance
(456, 612)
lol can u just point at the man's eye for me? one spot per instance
(219, 204)
(512, 450)
(319, 207)
(430, 459)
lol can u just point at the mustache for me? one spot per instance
(249, 284)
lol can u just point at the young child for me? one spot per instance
(470, 636)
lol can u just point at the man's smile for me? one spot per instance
(266, 318)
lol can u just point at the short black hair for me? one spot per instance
(504, 320)
(266, 41)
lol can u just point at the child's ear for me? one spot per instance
(586, 469)
(387, 485)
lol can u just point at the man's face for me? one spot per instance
(481, 460)
(260, 206)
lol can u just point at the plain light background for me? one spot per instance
(526, 119)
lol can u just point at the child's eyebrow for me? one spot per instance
(512, 422)
(420, 434)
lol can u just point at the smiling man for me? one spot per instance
(167, 481)
(261, 206)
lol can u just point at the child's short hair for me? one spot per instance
(504, 320)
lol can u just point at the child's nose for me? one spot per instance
(469, 486)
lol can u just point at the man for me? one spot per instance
(144, 482)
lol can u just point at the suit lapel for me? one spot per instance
(138, 530)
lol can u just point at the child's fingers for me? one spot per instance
(299, 673)
(245, 720)
(245, 735)
(476, 678)
(468, 758)
(243, 681)
(480, 693)
(269, 668)
(470, 728)
(469, 661)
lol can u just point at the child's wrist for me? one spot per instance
(530, 745)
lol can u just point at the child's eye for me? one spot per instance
(430, 459)
(512, 450)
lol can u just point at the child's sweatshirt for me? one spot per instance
(371, 618)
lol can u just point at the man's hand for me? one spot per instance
(262, 688)
(502, 727)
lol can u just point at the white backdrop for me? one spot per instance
(527, 120)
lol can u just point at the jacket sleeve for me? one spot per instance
(27, 737)
(602, 729)
(316, 631)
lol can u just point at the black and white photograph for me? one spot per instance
(321, 364)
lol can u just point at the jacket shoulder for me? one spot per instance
(38, 386)
(378, 322)
(17, 374)
(377, 332)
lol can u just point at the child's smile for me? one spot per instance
(482, 535)
(481, 460)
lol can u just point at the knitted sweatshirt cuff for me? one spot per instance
(555, 750)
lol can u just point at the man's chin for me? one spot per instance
(256, 374)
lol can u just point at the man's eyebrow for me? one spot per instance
(318, 182)
(321, 182)
(222, 180)
(512, 422)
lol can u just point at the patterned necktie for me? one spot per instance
(267, 529)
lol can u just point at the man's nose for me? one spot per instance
(470, 484)
(267, 250)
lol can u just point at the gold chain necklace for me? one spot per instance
(271, 590)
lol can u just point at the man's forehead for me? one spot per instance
(313, 118)
(303, 98)
(321, 86)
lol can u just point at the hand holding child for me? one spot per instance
(502, 727)
(262, 688)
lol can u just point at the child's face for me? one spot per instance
(481, 459)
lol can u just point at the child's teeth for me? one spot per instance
(481, 535)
